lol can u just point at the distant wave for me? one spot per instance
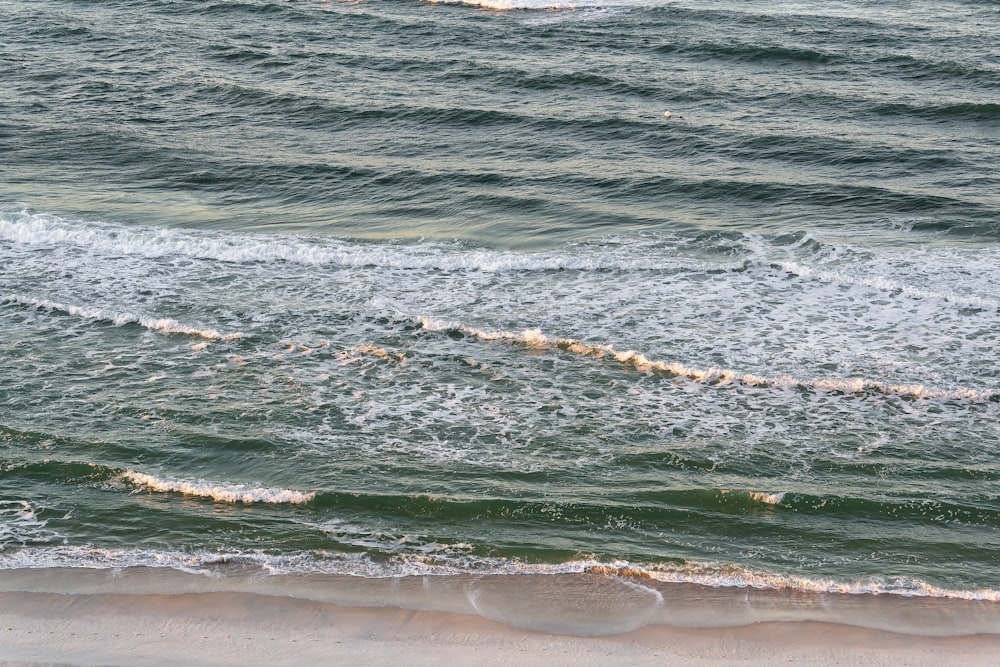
(219, 491)
(534, 338)
(163, 325)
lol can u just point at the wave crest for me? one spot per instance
(219, 491)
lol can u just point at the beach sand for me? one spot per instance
(247, 629)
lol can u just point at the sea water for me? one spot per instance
(433, 305)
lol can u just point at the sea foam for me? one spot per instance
(20, 525)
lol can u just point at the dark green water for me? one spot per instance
(396, 288)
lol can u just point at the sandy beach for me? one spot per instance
(247, 629)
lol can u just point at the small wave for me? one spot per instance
(162, 325)
(984, 112)
(219, 491)
(534, 338)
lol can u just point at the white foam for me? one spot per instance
(20, 525)
(534, 338)
(163, 325)
(219, 491)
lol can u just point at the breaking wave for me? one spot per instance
(219, 491)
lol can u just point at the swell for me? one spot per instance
(834, 57)
(755, 53)
(976, 510)
(986, 112)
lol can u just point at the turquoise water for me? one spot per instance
(385, 289)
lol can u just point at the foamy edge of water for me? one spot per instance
(219, 491)
(714, 575)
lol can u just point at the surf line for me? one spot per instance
(535, 339)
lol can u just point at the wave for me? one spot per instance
(219, 491)
(984, 112)
(534, 338)
(162, 325)
(755, 53)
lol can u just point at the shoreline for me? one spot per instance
(246, 629)
(243, 616)
(597, 602)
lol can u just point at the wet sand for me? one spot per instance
(247, 629)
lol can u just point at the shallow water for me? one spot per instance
(387, 289)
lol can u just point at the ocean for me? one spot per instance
(579, 315)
